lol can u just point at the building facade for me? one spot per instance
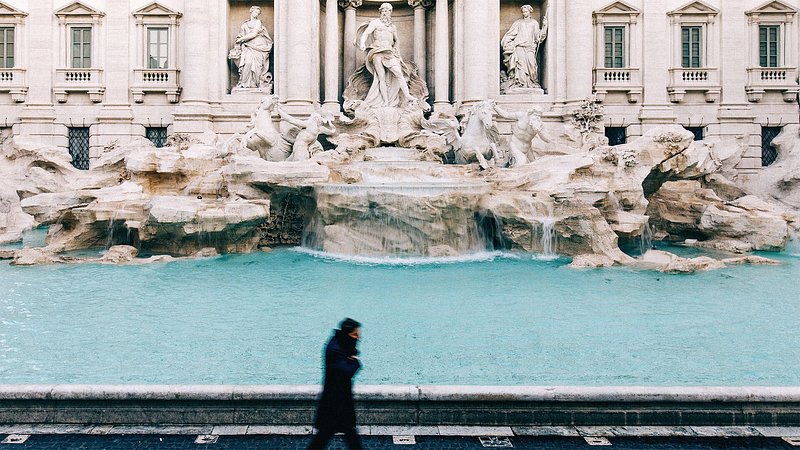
(81, 74)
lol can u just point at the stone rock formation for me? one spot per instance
(200, 199)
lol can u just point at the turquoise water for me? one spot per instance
(507, 320)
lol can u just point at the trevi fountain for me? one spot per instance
(390, 178)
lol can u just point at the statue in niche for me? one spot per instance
(520, 52)
(527, 126)
(251, 55)
(385, 80)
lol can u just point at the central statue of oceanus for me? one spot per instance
(385, 80)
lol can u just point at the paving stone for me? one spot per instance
(545, 431)
(381, 430)
(280, 430)
(654, 431)
(475, 431)
(778, 431)
(228, 430)
(159, 430)
(726, 431)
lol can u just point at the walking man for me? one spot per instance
(336, 412)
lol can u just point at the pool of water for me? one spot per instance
(493, 319)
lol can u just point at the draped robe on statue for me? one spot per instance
(253, 61)
(520, 48)
(365, 76)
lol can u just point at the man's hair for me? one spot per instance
(348, 325)
(529, 8)
(386, 6)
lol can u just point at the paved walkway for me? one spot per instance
(69, 437)
(181, 442)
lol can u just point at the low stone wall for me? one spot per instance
(402, 405)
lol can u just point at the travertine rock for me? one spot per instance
(781, 180)
(34, 257)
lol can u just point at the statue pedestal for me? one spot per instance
(524, 91)
(267, 90)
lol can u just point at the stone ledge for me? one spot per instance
(234, 408)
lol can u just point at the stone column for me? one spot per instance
(419, 35)
(193, 114)
(196, 23)
(38, 115)
(656, 108)
(302, 44)
(735, 114)
(331, 56)
(480, 50)
(349, 35)
(442, 63)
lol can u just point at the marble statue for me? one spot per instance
(527, 126)
(251, 54)
(303, 136)
(263, 136)
(385, 80)
(520, 51)
(474, 139)
(378, 39)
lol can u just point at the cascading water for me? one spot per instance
(549, 239)
(399, 207)
(646, 239)
(793, 245)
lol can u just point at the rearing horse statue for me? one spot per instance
(480, 140)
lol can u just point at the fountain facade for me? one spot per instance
(383, 174)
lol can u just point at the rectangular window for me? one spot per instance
(156, 135)
(698, 132)
(79, 147)
(81, 47)
(616, 135)
(157, 47)
(692, 46)
(6, 47)
(769, 153)
(615, 47)
(769, 45)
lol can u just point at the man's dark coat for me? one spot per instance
(336, 409)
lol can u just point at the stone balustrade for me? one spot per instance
(89, 81)
(164, 81)
(694, 79)
(763, 79)
(627, 80)
(13, 82)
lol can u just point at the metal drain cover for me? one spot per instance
(206, 439)
(404, 440)
(794, 441)
(596, 440)
(15, 439)
(495, 442)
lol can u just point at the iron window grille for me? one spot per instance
(616, 135)
(79, 147)
(769, 154)
(156, 135)
(698, 132)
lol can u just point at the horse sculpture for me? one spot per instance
(479, 140)
(263, 136)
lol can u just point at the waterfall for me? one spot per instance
(549, 239)
(646, 238)
(110, 230)
(793, 245)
